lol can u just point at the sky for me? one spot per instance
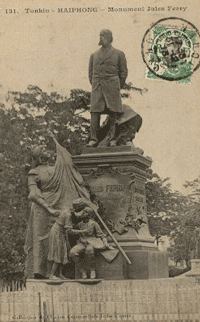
(52, 50)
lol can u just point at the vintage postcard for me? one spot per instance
(111, 88)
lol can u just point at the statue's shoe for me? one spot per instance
(63, 277)
(92, 275)
(83, 274)
(92, 144)
(113, 143)
(54, 278)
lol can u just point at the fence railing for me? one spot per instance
(161, 300)
(13, 286)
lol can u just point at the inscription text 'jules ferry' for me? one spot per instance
(108, 188)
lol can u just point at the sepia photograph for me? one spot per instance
(99, 161)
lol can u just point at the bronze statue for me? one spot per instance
(126, 127)
(52, 191)
(91, 238)
(59, 245)
(107, 74)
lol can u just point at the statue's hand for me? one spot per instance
(110, 247)
(54, 212)
(88, 230)
(74, 231)
(68, 228)
(106, 245)
(50, 134)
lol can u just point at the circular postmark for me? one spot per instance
(171, 49)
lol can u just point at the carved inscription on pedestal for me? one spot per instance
(118, 191)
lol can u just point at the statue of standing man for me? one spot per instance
(107, 75)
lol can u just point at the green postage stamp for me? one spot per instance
(171, 50)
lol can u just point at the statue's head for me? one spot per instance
(40, 154)
(88, 212)
(79, 204)
(106, 37)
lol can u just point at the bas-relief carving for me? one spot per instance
(123, 197)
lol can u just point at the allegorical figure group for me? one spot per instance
(61, 226)
(78, 222)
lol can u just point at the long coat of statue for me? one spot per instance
(107, 74)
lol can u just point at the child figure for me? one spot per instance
(58, 244)
(91, 237)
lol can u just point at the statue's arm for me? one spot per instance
(99, 232)
(51, 135)
(123, 70)
(35, 195)
(90, 71)
(65, 155)
(78, 231)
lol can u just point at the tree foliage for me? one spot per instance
(164, 205)
(175, 215)
(186, 235)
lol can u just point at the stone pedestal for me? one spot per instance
(195, 268)
(117, 177)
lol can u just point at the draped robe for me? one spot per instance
(58, 186)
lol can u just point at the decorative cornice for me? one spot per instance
(124, 170)
(124, 160)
